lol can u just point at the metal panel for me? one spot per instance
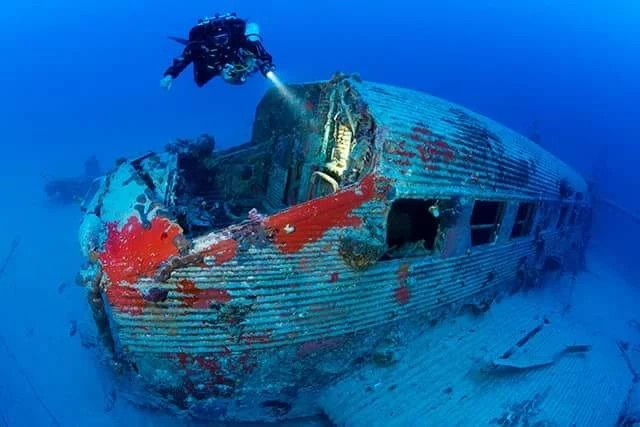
(439, 147)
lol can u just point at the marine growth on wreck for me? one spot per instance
(240, 284)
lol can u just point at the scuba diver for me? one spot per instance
(224, 45)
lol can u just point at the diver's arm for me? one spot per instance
(180, 63)
(257, 48)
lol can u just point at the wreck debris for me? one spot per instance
(24, 374)
(517, 365)
(532, 333)
(506, 363)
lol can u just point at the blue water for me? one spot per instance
(82, 78)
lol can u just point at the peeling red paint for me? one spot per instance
(207, 363)
(203, 362)
(135, 251)
(125, 298)
(427, 153)
(132, 253)
(403, 274)
(402, 292)
(334, 277)
(421, 129)
(430, 151)
(223, 251)
(400, 148)
(431, 148)
(183, 358)
(195, 297)
(445, 150)
(307, 223)
(256, 338)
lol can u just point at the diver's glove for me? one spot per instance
(166, 82)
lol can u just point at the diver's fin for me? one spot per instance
(179, 40)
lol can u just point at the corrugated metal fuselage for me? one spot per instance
(249, 322)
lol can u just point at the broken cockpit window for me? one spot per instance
(485, 221)
(212, 190)
(412, 227)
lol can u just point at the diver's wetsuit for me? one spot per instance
(212, 44)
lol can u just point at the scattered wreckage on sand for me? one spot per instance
(264, 281)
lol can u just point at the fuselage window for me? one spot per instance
(485, 222)
(524, 220)
(412, 227)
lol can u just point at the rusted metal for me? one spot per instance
(284, 280)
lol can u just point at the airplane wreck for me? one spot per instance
(251, 283)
